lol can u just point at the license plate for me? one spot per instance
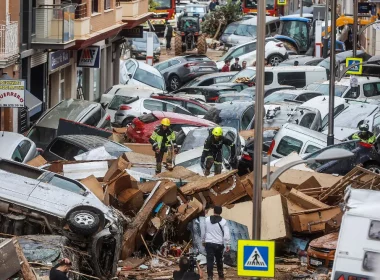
(315, 262)
(205, 69)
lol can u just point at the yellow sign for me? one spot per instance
(255, 258)
(355, 65)
(281, 2)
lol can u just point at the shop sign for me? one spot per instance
(12, 93)
(135, 32)
(89, 57)
(58, 59)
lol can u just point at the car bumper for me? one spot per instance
(137, 136)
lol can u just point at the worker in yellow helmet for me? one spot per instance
(212, 151)
(163, 140)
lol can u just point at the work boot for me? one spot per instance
(207, 172)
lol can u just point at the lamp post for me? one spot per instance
(328, 154)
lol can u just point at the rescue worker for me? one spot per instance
(168, 33)
(163, 140)
(212, 151)
(364, 135)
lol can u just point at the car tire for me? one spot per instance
(202, 44)
(374, 168)
(174, 82)
(275, 59)
(126, 122)
(178, 44)
(84, 222)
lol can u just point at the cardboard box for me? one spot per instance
(305, 201)
(311, 221)
(275, 218)
(227, 191)
(37, 161)
(117, 167)
(141, 148)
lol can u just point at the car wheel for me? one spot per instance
(275, 59)
(126, 122)
(174, 82)
(84, 222)
(374, 168)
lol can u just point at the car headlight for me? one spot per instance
(133, 47)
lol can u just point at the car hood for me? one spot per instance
(142, 45)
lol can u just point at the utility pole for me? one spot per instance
(259, 111)
(301, 8)
(326, 38)
(355, 27)
(330, 136)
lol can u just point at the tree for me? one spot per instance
(219, 19)
(152, 5)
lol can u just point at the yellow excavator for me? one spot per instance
(344, 20)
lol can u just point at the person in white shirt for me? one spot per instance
(215, 235)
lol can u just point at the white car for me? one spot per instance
(18, 147)
(125, 108)
(275, 53)
(133, 72)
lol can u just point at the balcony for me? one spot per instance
(53, 26)
(8, 44)
(82, 24)
(134, 12)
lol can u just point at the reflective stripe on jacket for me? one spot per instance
(159, 135)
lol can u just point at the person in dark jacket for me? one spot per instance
(236, 66)
(163, 140)
(185, 273)
(59, 272)
(364, 135)
(168, 34)
(213, 5)
(212, 151)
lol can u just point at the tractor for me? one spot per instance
(189, 36)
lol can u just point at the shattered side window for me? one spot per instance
(288, 145)
(370, 261)
(374, 230)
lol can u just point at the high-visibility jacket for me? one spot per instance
(162, 138)
(213, 147)
(369, 137)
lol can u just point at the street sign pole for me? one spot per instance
(259, 111)
(301, 8)
(326, 38)
(355, 27)
(330, 135)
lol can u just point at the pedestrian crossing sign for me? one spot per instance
(281, 2)
(255, 258)
(355, 65)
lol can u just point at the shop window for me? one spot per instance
(95, 6)
(107, 4)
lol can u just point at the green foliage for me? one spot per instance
(223, 15)
(152, 5)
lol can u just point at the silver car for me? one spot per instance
(19, 148)
(35, 201)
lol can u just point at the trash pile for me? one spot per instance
(163, 216)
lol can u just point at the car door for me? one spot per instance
(195, 109)
(149, 105)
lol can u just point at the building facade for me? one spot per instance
(65, 49)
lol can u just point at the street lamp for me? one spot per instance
(329, 154)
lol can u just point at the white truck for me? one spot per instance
(357, 254)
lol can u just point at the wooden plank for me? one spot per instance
(305, 201)
(26, 270)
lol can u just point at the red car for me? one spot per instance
(142, 127)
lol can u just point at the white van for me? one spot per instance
(247, 30)
(295, 138)
(297, 76)
(357, 255)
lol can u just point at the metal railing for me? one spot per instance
(54, 23)
(8, 40)
(81, 11)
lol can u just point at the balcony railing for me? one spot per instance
(8, 40)
(54, 24)
(81, 11)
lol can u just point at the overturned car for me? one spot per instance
(35, 201)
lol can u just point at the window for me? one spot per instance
(163, 66)
(222, 79)
(175, 109)
(353, 93)
(247, 118)
(311, 149)
(272, 27)
(177, 102)
(130, 66)
(337, 110)
(94, 118)
(95, 6)
(371, 90)
(268, 78)
(174, 62)
(207, 82)
(107, 4)
(153, 105)
(288, 145)
(310, 95)
(296, 79)
(65, 150)
(374, 230)
(250, 47)
(246, 30)
(117, 100)
(307, 120)
(21, 151)
(195, 109)
(371, 261)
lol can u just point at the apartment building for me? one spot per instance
(59, 46)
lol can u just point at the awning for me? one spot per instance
(33, 104)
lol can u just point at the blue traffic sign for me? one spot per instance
(355, 65)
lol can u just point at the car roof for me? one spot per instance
(294, 17)
(174, 117)
(301, 60)
(51, 119)
(297, 91)
(346, 80)
(305, 131)
(321, 103)
(298, 68)
(89, 142)
(253, 20)
(135, 92)
(10, 140)
(177, 97)
(236, 94)
(219, 74)
(232, 110)
(228, 84)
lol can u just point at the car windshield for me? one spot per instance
(353, 115)
(42, 136)
(279, 96)
(144, 39)
(118, 100)
(193, 9)
(246, 73)
(235, 123)
(149, 79)
(195, 138)
(232, 98)
(324, 88)
(246, 30)
(167, 4)
(231, 28)
(193, 82)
